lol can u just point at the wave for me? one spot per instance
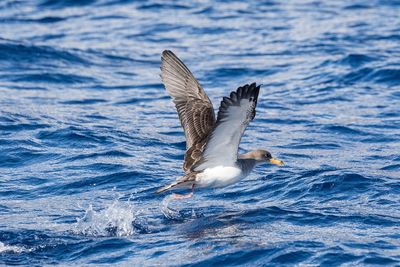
(18, 53)
(356, 60)
(71, 136)
(389, 76)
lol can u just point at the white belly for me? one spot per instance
(219, 176)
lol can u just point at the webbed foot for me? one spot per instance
(178, 196)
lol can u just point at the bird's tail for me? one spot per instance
(166, 187)
(187, 180)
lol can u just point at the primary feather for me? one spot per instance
(235, 113)
(194, 108)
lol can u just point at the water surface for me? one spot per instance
(87, 132)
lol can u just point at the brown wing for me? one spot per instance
(194, 108)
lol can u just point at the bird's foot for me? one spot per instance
(178, 196)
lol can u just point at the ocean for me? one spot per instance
(88, 133)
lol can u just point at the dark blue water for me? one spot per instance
(87, 133)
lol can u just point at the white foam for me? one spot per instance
(115, 220)
(169, 212)
(176, 214)
(8, 248)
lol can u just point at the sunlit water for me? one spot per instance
(88, 133)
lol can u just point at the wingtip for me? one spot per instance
(253, 87)
(167, 52)
(167, 56)
(248, 90)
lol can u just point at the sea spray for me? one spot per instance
(118, 219)
(176, 214)
(13, 249)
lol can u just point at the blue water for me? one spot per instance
(87, 133)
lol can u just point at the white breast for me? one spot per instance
(219, 176)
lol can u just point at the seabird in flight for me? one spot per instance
(211, 158)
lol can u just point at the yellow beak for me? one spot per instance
(276, 161)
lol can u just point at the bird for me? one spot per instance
(211, 159)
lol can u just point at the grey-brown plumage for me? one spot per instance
(195, 109)
(211, 145)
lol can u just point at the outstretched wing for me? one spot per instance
(235, 113)
(194, 108)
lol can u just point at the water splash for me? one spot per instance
(13, 249)
(118, 219)
(176, 214)
(167, 211)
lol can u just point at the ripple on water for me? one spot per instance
(20, 52)
(345, 130)
(25, 157)
(119, 179)
(316, 146)
(389, 76)
(356, 60)
(55, 78)
(105, 154)
(71, 137)
(89, 101)
(392, 167)
(340, 184)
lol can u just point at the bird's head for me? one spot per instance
(262, 156)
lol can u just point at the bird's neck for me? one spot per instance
(245, 156)
(246, 165)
